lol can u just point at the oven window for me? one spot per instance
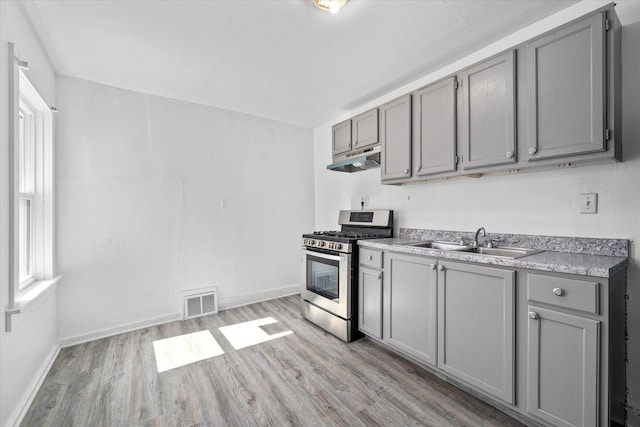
(323, 277)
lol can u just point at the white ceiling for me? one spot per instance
(279, 59)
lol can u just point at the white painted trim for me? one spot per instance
(232, 301)
(105, 333)
(227, 303)
(28, 298)
(30, 394)
(34, 291)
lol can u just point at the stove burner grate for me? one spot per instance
(346, 234)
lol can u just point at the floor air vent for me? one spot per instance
(200, 303)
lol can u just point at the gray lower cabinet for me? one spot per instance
(364, 129)
(410, 306)
(566, 90)
(476, 318)
(434, 128)
(341, 138)
(370, 302)
(559, 361)
(563, 368)
(395, 138)
(488, 112)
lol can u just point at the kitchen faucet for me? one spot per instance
(475, 240)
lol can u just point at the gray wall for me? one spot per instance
(531, 203)
(140, 180)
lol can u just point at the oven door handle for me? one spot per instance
(325, 256)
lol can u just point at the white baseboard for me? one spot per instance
(231, 301)
(224, 303)
(32, 390)
(104, 333)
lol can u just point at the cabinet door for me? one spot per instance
(476, 326)
(364, 129)
(565, 79)
(395, 138)
(410, 305)
(341, 138)
(488, 113)
(434, 128)
(563, 368)
(370, 302)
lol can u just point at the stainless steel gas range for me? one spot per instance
(330, 270)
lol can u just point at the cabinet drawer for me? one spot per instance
(371, 258)
(568, 293)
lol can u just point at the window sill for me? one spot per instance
(28, 295)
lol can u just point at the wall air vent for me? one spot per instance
(200, 302)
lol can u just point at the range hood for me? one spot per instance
(358, 161)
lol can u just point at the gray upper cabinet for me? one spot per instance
(563, 368)
(487, 116)
(566, 89)
(476, 326)
(410, 305)
(370, 302)
(341, 138)
(434, 128)
(364, 129)
(395, 138)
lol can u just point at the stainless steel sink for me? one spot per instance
(500, 251)
(505, 252)
(445, 246)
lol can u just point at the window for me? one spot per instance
(33, 176)
(31, 199)
(26, 189)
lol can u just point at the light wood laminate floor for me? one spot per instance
(308, 378)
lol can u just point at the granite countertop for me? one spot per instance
(586, 264)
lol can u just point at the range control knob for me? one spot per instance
(321, 244)
(338, 246)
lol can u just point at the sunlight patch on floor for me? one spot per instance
(185, 349)
(250, 333)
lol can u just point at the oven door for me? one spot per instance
(326, 281)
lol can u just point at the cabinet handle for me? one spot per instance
(379, 276)
(432, 266)
(534, 315)
(558, 291)
(418, 169)
(533, 150)
(440, 267)
(406, 171)
(509, 154)
(370, 257)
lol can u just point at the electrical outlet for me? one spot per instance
(364, 201)
(224, 205)
(589, 203)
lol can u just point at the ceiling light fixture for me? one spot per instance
(332, 6)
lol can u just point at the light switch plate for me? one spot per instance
(224, 205)
(589, 203)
